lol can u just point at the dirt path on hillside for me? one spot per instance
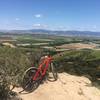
(67, 87)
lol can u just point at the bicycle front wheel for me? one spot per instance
(52, 75)
(28, 84)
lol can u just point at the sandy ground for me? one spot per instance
(67, 87)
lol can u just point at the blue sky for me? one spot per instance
(81, 15)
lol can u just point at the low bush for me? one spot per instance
(13, 63)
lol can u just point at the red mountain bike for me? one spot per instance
(33, 76)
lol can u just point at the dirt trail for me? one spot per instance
(67, 87)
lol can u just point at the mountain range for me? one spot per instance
(53, 32)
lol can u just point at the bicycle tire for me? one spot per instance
(53, 70)
(28, 84)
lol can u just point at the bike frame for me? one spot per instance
(47, 60)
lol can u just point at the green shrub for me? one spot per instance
(80, 62)
(13, 63)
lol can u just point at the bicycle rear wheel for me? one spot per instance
(28, 84)
(52, 75)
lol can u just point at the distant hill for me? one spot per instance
(53, 32)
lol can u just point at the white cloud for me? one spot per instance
(94, 26)
(61, 27)
(36, 25)
(43, 26)
(17, 19)
(38, 15)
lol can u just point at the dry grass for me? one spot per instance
(76, 46)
